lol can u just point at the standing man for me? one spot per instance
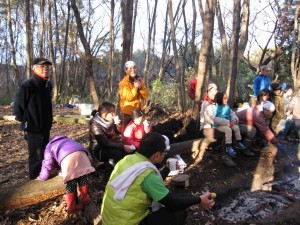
(260, 82)
(132, 91)
(33, 108)
(136, 194)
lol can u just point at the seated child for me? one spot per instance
(221, 109)
(73, 160)
(136, 129)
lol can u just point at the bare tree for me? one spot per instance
(42, 28)
(88, 56)
(28, 37)
(111, 49)
(224, 47)
(233, 55)
(133, 25)
(12, 44)
(151, 23)
(52, 54)
(206, 48)
(295, 61)
(175, 52)
(127, 11)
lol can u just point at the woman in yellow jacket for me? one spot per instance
(132, 91)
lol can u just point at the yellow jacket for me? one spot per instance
(130, 97)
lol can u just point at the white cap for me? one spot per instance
(269, 106)
(167, 142)
(128, 63)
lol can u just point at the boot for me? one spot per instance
(249, 145)
(73, 207)
(84, 195)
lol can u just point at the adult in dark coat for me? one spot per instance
(33, 108)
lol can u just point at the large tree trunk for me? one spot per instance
(193, 46)
(233, 56)
(88, 57)
(133, 26)
(127, 11)
(206, 48)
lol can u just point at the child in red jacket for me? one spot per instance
(136, 129)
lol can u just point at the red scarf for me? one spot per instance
(208, 99)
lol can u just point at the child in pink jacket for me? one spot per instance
(136, 129)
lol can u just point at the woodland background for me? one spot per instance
(89, 41)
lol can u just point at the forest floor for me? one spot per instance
(257, 191)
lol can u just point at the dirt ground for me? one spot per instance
(206, 172)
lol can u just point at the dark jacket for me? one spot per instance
(56, 150)
(103, 137)
(33, 106)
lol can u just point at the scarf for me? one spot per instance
(102, 122)
(206, 98)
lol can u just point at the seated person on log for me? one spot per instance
(73, 160)
(136, 193)
(106, 142)
(293, 112)
(279, 123)
(207, 118)
(255, 118)
(136, 129)
(223, 110)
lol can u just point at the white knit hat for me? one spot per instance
(128, 63)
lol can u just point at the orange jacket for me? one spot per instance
(130, 97)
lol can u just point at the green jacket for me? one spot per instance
(279, 111)
(135, 206)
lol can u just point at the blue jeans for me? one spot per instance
(288, 126)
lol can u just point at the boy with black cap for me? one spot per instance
(33, 108)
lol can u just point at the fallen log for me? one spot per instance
(30, 193)
(81, 119)
(186, 147)
(7, 117)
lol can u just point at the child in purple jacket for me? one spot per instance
(73, 160)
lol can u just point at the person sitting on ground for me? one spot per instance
(136, 129)
(222, 110)
(136, 194)
(73, 160)
(254, 118)
(106, 142)
(279, 123)
(207, 119)
(132, 91)
(293, 112)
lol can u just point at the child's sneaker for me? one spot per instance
(230, 151)
(239, 145)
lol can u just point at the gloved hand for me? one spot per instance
(281, 147)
